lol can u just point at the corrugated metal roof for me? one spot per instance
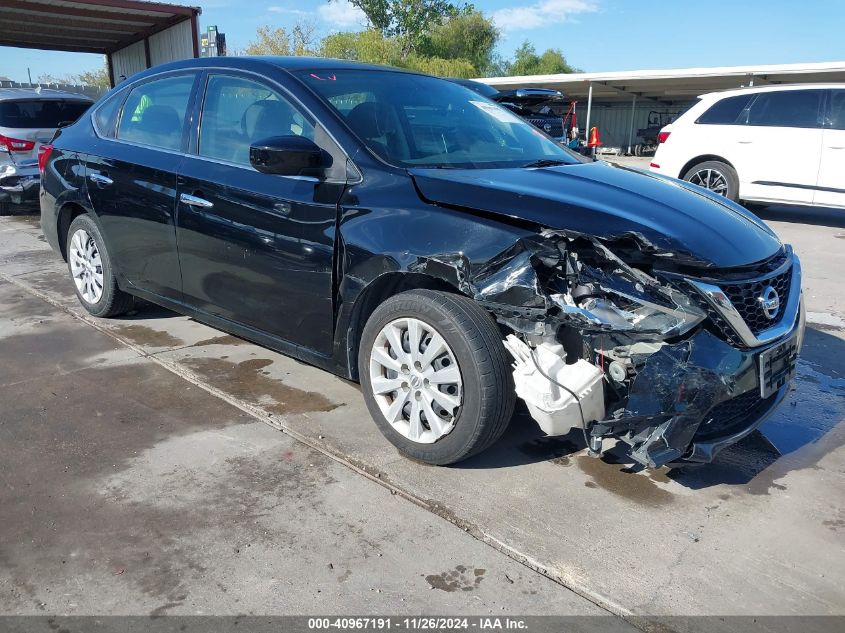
(675, 84)
(88, 26)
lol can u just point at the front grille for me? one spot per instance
(743, 322)
(721, 326)
(746, 299)
(555, 125)
(733, 415)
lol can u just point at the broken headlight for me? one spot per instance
(622, 298)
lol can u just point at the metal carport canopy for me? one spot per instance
(90, 26)
(680, 84)
(669, 86)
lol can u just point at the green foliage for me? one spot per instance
(300, 41)
(431, 36)
(368, 46)
(99, 77)
(468, 36)
(440, 67)
(407, 20)
(527, 62)
(372, 47)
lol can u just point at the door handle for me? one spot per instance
(836, 147)
(744, 142)
(194, 201)
(100, 179)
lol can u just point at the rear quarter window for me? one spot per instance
(105, 117)
(728, 111)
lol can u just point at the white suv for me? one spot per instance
(773, 144)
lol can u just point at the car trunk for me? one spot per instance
(34, 121)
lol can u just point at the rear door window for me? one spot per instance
(729, 111)
(154, 112)
(787, 108)
(41, 113)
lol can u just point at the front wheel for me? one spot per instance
(718, 177)
(435, 376)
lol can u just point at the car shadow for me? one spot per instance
(814, 407)
(143, 310)
(819, 216)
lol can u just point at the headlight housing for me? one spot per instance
(628, 300)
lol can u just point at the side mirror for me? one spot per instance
(288, 156)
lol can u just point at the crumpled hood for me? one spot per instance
(607, 201)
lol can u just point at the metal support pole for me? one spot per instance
(631, 126)
(589, 107)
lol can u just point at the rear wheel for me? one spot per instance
(91, 270)
(718, 177)
(435, 376)
(5, 207)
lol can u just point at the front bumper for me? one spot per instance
(704, 448)
(692, 399)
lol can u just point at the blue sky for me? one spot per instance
(595, 35)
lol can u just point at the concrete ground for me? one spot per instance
(142, 474)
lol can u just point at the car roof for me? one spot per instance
(771, 88)
(291, 64)
(40, 93)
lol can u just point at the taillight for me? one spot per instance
(43, 154)
(16, 144)
(662, 136)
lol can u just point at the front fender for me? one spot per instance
(387, 250)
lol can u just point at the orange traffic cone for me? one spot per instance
(594, 138)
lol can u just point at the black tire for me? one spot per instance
(717, 167)
(5, 208)
(113, 301)
(476, 342)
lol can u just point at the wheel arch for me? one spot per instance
(67, 214)
(703, 159)
(374, 294)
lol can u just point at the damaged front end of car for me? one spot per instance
(618, 338)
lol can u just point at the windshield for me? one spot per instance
(419, 121)
(35, 113)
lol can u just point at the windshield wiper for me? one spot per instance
(546, 162)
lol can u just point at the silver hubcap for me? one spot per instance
(711, 179)
(416, 380)
(86, 266)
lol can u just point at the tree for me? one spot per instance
(527, 62)
(372, 47)
(99, 77)
(368, 46)
(301, 40)
(407, 20)
(468, 35)
(439, 66)
(47, 78)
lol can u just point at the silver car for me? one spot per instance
(29, 118)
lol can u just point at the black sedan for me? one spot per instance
(408, 233)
